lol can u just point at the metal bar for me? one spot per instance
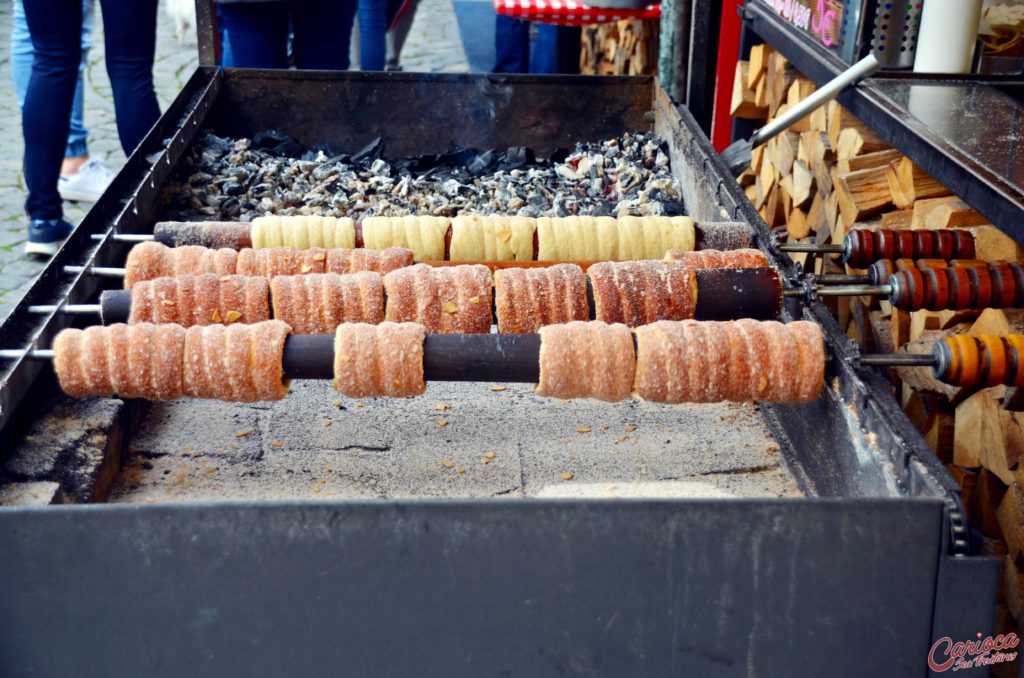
(513, 358)
(842, 279)
(854, 290)
(100, 271)
(124, 237)
(31, 354)
(71, 309)
(674, 47)
(830, 90)
(899, 360)
(811, 247)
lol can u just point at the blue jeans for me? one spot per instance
(22, 55)
(257, 33)
(555, 50)
(373, 25)
(129, 28)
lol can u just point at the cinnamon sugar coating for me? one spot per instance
(743, 360)
(640, 292)
(527, 299)
(445, 300)
(130, 361)
(318, 303)
(238, 363)
(586, 360)
(379, 360)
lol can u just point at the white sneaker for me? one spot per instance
(87, 184)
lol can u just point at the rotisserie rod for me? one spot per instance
(464, 238)
(863, 247)
(674, 362)
(456, 299)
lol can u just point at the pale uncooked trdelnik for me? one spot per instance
(303, 232)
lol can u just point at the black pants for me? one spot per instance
(129, 28)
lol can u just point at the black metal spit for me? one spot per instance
(858, 579)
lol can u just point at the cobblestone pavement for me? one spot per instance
(433, 44)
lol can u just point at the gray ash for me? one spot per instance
(240, 179)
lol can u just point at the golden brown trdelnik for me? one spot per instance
(150, 260)
(743, 258)
(239, 363)
(586, 360)
(130, 361)
(318, 303)
(200, 300)
(379, 360)
(445, 300)
(277, 261)
(741, 361)
(379, 261)
(527, 299)
(639, 292)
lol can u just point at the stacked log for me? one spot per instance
(830, 174)
(628, 47)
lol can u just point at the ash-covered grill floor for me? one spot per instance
(317, 445)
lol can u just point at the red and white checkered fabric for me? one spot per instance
(569, 13)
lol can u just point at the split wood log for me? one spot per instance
(909, 183)
(744, 100)
(862, 194)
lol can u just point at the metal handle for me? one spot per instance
(827, 92)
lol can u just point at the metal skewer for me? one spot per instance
(101, 271)
(899, 360)
(813, 248)
(125, 237)
(70, 309)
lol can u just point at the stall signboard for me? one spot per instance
(821, 19)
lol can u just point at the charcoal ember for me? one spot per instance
(276, 142)
(372, 151)
(516, 157)
(215, 143)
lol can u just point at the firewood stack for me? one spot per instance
(628, 47)
(830, 174)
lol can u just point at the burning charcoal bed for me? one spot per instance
(544, 536)
(238, 179)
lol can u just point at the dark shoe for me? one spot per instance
(45, 236)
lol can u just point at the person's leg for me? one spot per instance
(257, 33)
(322, 31)
(556, 50)
(396, 37)
(511, 45)
(77, 152)
(56, 29)
(21, 52)
(373, 24)
(129, 28)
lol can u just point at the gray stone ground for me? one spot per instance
(433, 45)
(458, 440)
